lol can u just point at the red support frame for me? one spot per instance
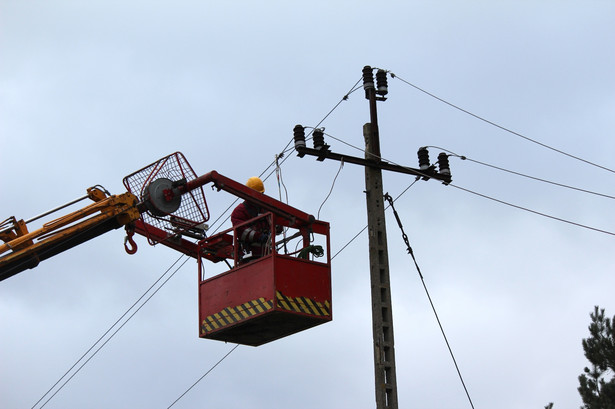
(255, 301)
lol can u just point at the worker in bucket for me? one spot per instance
(254, 237)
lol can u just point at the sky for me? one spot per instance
(93, 91)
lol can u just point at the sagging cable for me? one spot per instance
(388, 198)
(330, 190)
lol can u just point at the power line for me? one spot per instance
(433, 307)
(502, 127)
(330, 190)
(365, 228)
(204, 375)
(533, 211)
(287, 149)
(283, 157)
(107, 332)
(510, 204)
(463, 157)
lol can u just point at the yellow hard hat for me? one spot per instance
(256, 184)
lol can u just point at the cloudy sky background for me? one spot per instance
(92, 91)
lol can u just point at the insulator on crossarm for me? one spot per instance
(368, 79)
(444, 167)
(423, 154)
(319, 138)
(382, 87)
(299, 135)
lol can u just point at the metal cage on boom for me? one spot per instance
(168, 210)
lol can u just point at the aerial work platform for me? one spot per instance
(267, 298)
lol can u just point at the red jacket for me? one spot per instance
(253, 236)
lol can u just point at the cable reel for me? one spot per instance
(162, 197)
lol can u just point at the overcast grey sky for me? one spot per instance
(92, 91)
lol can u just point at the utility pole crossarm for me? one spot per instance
(325, 153)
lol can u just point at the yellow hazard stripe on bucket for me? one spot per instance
(231, 315)
(303, 304)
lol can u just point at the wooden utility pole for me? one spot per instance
(382, 313)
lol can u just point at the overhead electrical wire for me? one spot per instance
(507, 203)
(463, 157)
(365, 228)
(433, 307)
(288, 147)
(534, 211)
(204, 375)
(330, 190)
(283, 157)
(500, 126)
(108, 331)
(112, 326)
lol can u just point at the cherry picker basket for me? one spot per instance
(172, 213)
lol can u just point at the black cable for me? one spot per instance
(288, 147)
(502, 127)
(533, 211)
(418, 269)
(281, 184)
(330, 190)
(204, 375)
(463, 157)
(513, 205)
(112, 335)
(351, 240)
(365, 228)
(344, 98)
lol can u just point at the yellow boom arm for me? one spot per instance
(23, 249)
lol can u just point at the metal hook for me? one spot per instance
(132, 249)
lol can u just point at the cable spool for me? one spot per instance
(161, 197)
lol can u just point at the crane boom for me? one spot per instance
(23, 250)
(164, 202)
